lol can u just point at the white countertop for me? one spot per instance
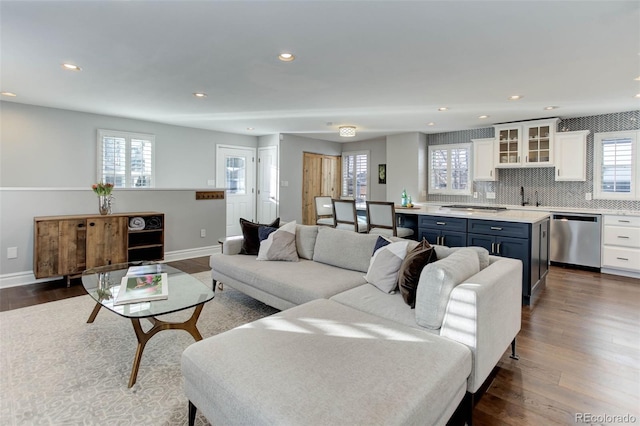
(548, 209)
(524, 216)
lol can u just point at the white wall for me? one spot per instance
(48, 163)
(406, 166)
(48, 147)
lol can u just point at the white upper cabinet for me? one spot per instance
(484, 168)
(526, 144)
(571, 156)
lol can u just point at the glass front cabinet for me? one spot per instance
(525, 144)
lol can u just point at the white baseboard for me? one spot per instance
(621, 272)
(27, 277)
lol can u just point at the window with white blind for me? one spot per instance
(126, 159)
(449, 169)
(355, 175)
(616, 172)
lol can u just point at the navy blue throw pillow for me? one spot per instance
(380, 242)
(265, 231)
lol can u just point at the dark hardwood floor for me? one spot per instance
(579, 350)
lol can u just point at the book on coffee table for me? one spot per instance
(142, 288)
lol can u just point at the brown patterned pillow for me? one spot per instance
(409, 274)
(251, 242)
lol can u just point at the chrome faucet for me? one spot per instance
(524, 203)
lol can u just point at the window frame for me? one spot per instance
(448, 190)
(598, 139)
(355, 175)
(127, 136)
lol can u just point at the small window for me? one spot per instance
(615, 169)
(355, 175)
(449, 169)
(126, 159)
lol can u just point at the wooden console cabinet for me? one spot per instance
(67, 245)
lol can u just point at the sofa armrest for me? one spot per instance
(232, 245)
(484, 313)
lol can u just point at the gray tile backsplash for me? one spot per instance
(550, 192)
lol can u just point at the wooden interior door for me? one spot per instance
(106, 241)
(320, 177)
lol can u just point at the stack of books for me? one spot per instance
(143, 284)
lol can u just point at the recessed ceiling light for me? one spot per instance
(637, 78)
(550, 107)
(637, 95)
(431, 124)
(515, 97)
(71, 67)
(286, 57)
(443, 109)
(249, 128)
(200, 95)
(11, 94)
(483, 116)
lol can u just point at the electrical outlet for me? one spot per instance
(491, 195)
(588, 196)
(203, 233)
(284, 183)
(12, 252)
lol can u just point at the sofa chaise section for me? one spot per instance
(323, 363)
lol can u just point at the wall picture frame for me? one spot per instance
(382, 174)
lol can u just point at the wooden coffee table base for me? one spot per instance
(158, 325)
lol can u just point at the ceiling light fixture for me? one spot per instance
(71, 67)
(483, 116)
(637, 95)
(637, 78)
(11, 94)
(515, 97)
(431, 124)
(347, 131)
(443, 109)
(286, 57)
(249, 128)
(200, 95)
(550, 107)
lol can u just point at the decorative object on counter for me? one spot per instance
(409, 202)
(403, 197)
(105, 199)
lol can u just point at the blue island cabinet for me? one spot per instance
(443, 231)
(527, 242)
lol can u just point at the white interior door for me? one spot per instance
(267, 184)
(235, 171)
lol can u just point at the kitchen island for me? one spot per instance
(517, 234)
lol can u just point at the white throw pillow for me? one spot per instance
(385, 264)
(280, 244)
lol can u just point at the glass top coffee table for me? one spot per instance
(185, 291)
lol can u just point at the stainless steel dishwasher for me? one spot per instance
(576, 239)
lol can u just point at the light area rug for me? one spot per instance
(55, 369)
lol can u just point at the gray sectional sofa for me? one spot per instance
(342, 351)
